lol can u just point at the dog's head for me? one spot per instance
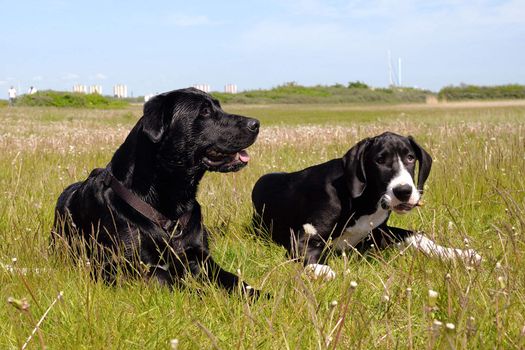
(191, 130)
(385, 166)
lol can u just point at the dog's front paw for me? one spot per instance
(319, 271)
(252, 293)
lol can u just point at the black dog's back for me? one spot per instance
(65, 196)
(268, 187)
(265, 192)
(61, 209)
(281, 200)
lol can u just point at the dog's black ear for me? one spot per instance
(153, 118)
(425, 163)
(353, 163)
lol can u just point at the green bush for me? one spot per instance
(356, 92)
(69, 99)
(357, 85)
(473, 92)
(3, 103)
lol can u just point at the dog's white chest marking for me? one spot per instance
(360, 229)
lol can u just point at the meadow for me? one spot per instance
(475, 197)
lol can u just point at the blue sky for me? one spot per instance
(157, 46)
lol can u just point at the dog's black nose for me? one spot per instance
(402, 192)
(253, 125)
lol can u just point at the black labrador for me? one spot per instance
(142, 208)
(347, 202)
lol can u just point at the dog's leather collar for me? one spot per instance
(141, 206)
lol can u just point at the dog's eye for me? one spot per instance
(380, 160)
(411, 158)
(206, 112)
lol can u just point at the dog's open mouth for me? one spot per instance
(225, 162)
(401, 208)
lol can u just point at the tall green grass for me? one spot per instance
(475, 196)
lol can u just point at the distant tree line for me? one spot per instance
(353, 92)
(292, 92)
(474, 92)
(69, 99)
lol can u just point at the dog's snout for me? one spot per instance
(253, 125)
(403, 192)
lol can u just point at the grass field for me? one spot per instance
(475, 196)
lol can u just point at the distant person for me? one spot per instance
(11, 93)
(32, 90)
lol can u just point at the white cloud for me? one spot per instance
(384, 24)
(190, 21)
(313, 7)
(290, 37)
(38, 78)
(99, 76)
(345, 9)
(470, 12)
(440, 42)
(70, 76)
(504, 13)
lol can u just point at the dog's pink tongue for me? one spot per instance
(243, 156)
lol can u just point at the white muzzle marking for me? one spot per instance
(403, 177)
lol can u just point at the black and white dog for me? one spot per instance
(142, 207)
(347, 200)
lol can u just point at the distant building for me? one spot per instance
(95, 89)
(80, 88)
(230, 88)
(202, 87)
(120, 91)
